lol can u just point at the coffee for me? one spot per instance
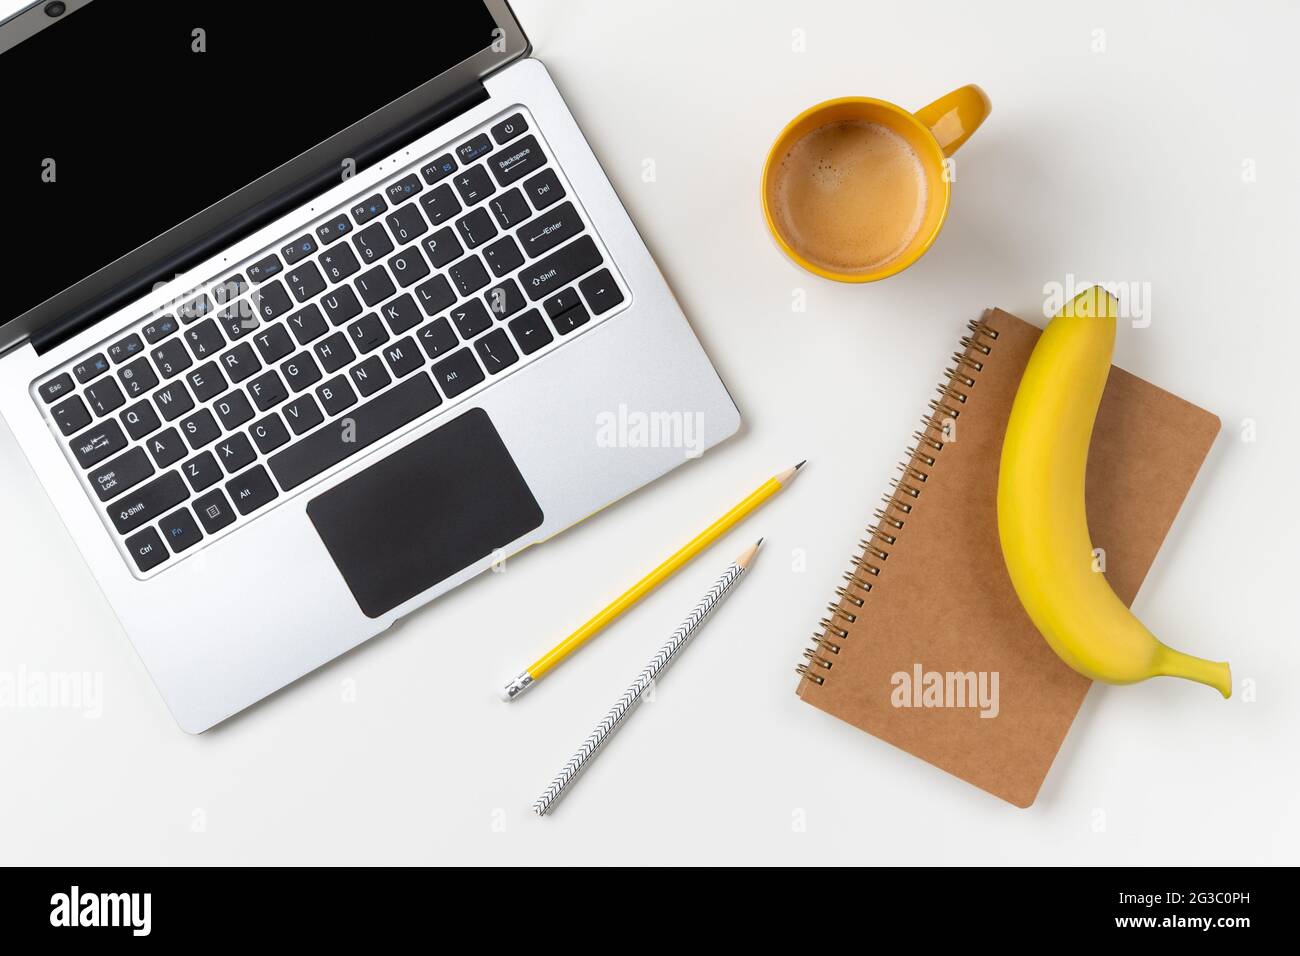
(849, 196)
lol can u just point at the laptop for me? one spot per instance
(312, 318)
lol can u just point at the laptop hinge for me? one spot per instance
(232, 230)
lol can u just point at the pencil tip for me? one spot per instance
(801, 464)
(758, 542)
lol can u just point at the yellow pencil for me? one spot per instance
(636, 592)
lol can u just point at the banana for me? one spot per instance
(1042, 522)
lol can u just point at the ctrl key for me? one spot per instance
(146, 549)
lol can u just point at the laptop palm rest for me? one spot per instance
(425, 512)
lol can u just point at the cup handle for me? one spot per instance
(952, 118)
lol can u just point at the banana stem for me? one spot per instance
(1216, 674)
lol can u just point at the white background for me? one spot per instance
(1124, 164)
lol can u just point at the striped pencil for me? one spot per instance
(635, 693)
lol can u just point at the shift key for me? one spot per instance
(560, 268)
(148, 502)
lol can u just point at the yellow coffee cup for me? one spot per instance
(934, 133)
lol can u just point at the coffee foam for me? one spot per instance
(850, 196)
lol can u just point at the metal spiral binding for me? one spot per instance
(890, 520)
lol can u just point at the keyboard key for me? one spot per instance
(238, 319)
(568, 321)
(305, 281)
(338, 263)
(269, 433)
(240, 362)
(503, 256)
(440, 205)
(435, 295)
(104, 396)
(236, 452)
(95, 444)
(401, 314)
(375, 286)
(206, 381)
(370, 376)
(341, 305)
(146, 549)
(478, 146)
(229, 289)
(205, 339)
(471, 318)
(504, 299)
(141, 419)
(334, 229)
(307, 324)
(233, 409)
(274, 343)
(202, 471)
(127, 348)
(56, 387)
(251, 490)
(516, 161)
(263, 269)
(476, 227)
(361, 427)
(544, 189)
(180, 530)
(510, 208)
(408, 267)
(267, 390)
(160, 328)
(138, 377)
(90, 368)
(457, 372)
(336, 395)
(123, 472)
(469, 275)
(173, 400)
(334, 352)
(200, 429)
(403, 357)
(167, 447)
(403, 189)
(437, 338)
(553, 227)
(530, 331)
(300, 371)
(473, 185)
(439, 169)
(509, 128)
(214, 511)
(70, 415)
(600, 291)
(363, 212)
(406, 223)
(495, 351)
(560, 268)
(443, 247)
(302, 414)
(562, 302)
(298, 250)
(367, 333)
(147, 502)
(195, 309)
(271, 301)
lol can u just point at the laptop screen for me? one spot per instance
(124, 119)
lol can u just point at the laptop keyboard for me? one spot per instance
(410, 299)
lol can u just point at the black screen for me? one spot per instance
(147, 123)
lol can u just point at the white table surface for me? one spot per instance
(1124, 164)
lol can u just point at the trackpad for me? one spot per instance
(425, 512)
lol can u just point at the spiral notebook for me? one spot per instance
(926, 645)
